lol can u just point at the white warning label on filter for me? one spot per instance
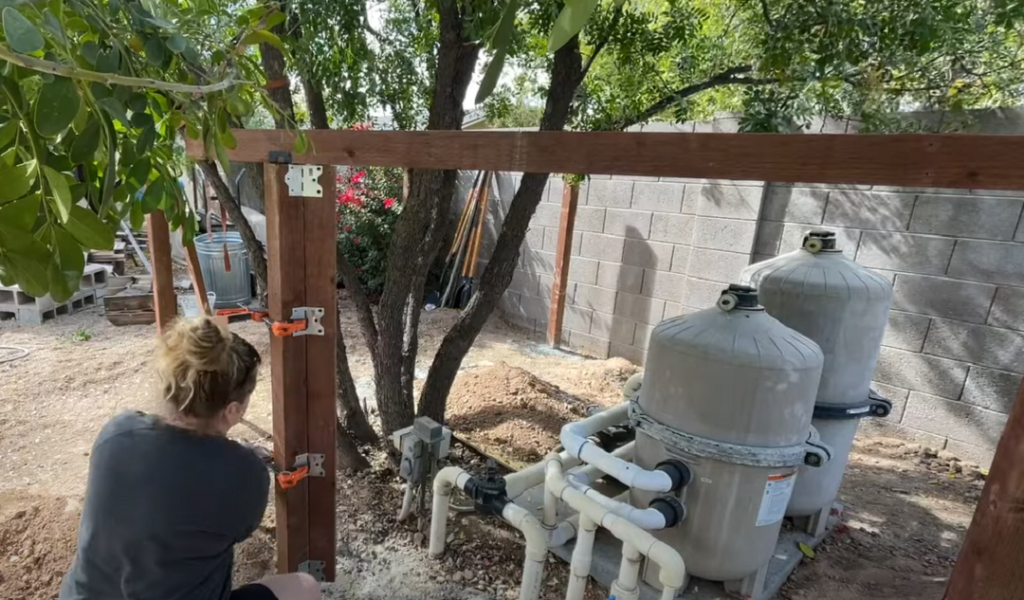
(777, 491)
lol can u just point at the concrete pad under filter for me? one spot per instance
(607, 556)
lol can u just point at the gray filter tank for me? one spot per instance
(844, 308)
(730, 392)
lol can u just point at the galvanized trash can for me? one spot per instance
(232, 288)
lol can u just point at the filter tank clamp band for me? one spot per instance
(812, 453)
(875, 406)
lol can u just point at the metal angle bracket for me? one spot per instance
(315, 462)
(303, 181)
(314, 568)
(312, 317)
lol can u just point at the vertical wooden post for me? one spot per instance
(563, 255)
(196, 275)
(302, 246)
(164, 303)
(321, 242)
(286, 274)
(992, 558)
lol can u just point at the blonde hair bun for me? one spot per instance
(200, 344)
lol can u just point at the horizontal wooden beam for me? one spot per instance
(919, 160)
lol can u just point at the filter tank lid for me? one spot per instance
(737, 296)
(820, 240)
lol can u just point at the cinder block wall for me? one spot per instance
(646, 249)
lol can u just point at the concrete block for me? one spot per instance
(847, 240)
(724, 200)
(641, 309)
(583, 270)
(756, 258)
(534, 239)
(634, 224)
(546, 215)
(701, 294)
(658, 197)
(589, 218)
(623, 278)
(769, 238)
(978, 455)
(610, 327)
(941, 297)
(664, 286)
(642, 335)
(795, 205)
(536, 261)
(869, 210)
(913, 371)
(633, 354)
(1008, 309)
(675, 309)
(886, 428)
(551, 239)
(991, 262)
(677, 229)
(724, 234)
(717, 265)
(602, 247)
(587, 344)
(610, 193)
(897, 395)
(1019, 236)
(979, 344)
(524, 282)
(595, 298)
(907, 252)
(536, 308)
(994, 390)
(905, 331)
(955, 420)
(681, 259)
(547, 282)
(889, 276)
(967, 216)
(509, 303)
(649, 255)
(577, 318)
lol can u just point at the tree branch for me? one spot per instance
(604, 42)
(363, 310)
(726, 77)
(45, 66)
(767, 14)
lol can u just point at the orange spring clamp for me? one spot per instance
(305, 320)
(290, 479)
(306, 465)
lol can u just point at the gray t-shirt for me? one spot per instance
(163, 510)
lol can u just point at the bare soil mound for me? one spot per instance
(37, 543)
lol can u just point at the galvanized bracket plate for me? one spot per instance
(314, 568)
(312, 317)
(315, 463)
(303, 181)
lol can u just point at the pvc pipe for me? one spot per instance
(447, 478)
(582, 556)
(517, 483)
(586, 472)
(406, 502)
(565, 531)
(536, 549)
(626, 586)
(589, 473)
(673, 569)
(574, 440)
(644, 518)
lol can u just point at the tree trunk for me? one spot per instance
(353, 419)
(419, 232)
(566, 75)
(278, 85)
(253, 180)
(315, 103)
(349, 456)
(257, 258)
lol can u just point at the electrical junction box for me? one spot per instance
(422, 444)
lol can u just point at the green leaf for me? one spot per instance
(8, 131)
(807, 550)
(108, 61)
(155, 51)
(135, 217)
(86, 144)
(60, 192)
(8, 157)
(115, 109)
(15, 182)
(500, 43)
(146, 140)
(570, 22)
(66, 273)
(262, 36)
(30, 272)
(56, 106)
(139, 173)
(490, 80)
(301, 143)
(79, 25)
(90, 50)
(275, 19)
(21, 34)
(142, 120)
(90, 231)
(154, 195)
(227, 139)
(176, 43)
(137, 103)
(52, 24)
(21, 214)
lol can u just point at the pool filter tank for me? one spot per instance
(729, 391)
(843, 307)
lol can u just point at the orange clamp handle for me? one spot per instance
(288, 328)
(290, 479)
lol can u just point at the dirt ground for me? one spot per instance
(906, 507)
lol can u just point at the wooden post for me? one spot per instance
(301, 271)
(563, 255)
(992, 558)
(164, 303)
(196, 275)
